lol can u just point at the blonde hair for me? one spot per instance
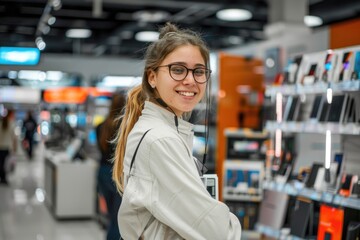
(170, 38)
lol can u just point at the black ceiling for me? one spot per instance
(114, 28)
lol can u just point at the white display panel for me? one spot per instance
(243, 180)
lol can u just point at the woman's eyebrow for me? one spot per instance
(184, 63)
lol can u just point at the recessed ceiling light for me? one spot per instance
(312, 21)
(234, 14)
(147, 36)
(151, 16)
(41, 45)
(78, 33)
(51, 20)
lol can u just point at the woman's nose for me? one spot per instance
(189, 78)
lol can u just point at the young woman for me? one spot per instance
(163, 195)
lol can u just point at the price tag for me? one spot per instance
(337, 199)
(327, 197)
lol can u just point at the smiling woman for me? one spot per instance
(186, 91)
(163, 194)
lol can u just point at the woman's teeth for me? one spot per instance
(187, 94)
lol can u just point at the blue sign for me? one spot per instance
(19, 56)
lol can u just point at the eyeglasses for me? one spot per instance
(180, 72)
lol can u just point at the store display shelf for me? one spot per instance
(268, 231)
(281, 187)
(244, 198)
(313, 127)
(319, 87)
(320, 196)
(347, 202)
(250, 235)
(277, 233)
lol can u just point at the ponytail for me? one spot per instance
(133, 108)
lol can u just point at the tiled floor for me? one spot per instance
(23, 215)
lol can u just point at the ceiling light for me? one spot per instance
(51, 20)
(151, 16)
(234, 14)
(120, 81)
(54, 75)
(78, 33)
(41, 45)
(312, 21)
(147, 36)
(45, 30)
(56, 4)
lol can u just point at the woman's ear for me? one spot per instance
(152, 78)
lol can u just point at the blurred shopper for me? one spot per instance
(7, 142)
(163, 194)
(29, 128)
(106, 133)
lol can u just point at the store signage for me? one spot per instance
(72, 95)
(19, 56)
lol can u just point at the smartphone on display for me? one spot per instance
(345, 66)
(356, 73)
(327, 66)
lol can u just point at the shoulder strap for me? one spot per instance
(133, 158)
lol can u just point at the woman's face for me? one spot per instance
(180, 96)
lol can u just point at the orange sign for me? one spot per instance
(74, 95)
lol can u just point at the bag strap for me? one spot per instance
(133, 158)
(131, 164)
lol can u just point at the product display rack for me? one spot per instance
(243, 176)
(304, 124)
(318, 87)
(296, 189)
(309, 127)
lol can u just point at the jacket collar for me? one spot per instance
(153, 109)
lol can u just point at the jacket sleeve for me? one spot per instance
(180, 200)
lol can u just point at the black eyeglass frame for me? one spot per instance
(187, 72)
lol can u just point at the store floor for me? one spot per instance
(23, 214)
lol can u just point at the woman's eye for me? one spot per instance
(177, 70)
(199, 71)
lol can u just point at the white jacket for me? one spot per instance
(164, 194)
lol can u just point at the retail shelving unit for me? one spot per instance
(347, 127)
(314, 127)
(326, 197)
(243, 176)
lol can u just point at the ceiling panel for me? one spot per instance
(115, 22)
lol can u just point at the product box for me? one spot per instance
(330, 223)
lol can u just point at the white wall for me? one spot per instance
(291, 44)
(87, 66)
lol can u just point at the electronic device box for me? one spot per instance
(212, 184)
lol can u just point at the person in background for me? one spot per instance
(29, 128)
(106, 133)
(7, 142)
(163, 194)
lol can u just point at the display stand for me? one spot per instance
(70, 186)
(243, 175)
(337, 114)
